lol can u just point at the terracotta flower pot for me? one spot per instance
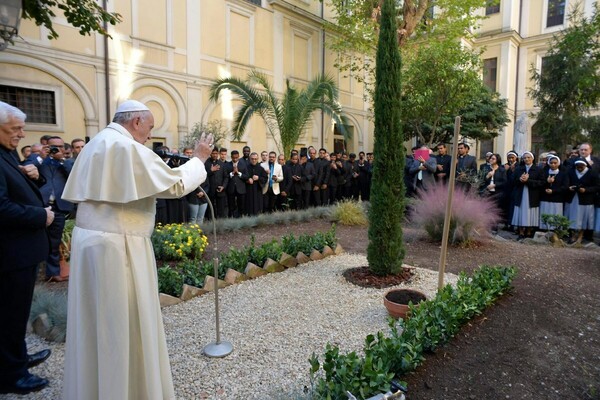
(396, 301)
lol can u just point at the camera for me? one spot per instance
(54, 149)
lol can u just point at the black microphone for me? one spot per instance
(166, 154)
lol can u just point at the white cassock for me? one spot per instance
(116, 347)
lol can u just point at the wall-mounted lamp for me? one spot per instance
(10, 18)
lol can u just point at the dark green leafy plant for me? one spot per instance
(557, 223)
(192, 273)
(169, 281)
(431, 324)
(234, 259)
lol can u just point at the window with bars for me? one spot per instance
(490, 73)
(39, 105)
(256, 2)
(556, 13)
(485, 146)
(492, 7)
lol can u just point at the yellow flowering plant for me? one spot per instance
(175, 242)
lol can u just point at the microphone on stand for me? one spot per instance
(166, 154)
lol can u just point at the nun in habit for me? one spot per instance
(553, 193)
(528, 180)
(579, 207)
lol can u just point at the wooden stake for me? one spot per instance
(448, 214)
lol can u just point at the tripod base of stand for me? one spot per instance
(221, 349)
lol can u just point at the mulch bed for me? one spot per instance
(363, 277)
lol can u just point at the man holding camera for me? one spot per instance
(55, 169)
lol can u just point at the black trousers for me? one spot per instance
(270, 200)
(16, 293)
(324, 196)
(237, 204)
(333, 194)
(315, 197)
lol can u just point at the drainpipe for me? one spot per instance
(515, 116)
(323, 70)
(106, 68)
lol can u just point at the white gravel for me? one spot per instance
(275, 323)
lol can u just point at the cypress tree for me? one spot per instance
(386, 251)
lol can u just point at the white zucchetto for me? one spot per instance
(130, 106)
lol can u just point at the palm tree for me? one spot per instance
(286, 119)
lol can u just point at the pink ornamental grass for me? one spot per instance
(472, 215)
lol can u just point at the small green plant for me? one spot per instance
(192, 272)
(234, 259)
(431, 324)
(65, 241)
(54, 305)
(349, 212)
(169, 281)
(178, 242)
(557, 223)
(258, 255)
(305, 243)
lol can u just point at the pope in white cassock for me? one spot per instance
(116, 347)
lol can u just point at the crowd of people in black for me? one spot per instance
(252, 183)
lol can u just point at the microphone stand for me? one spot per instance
(218, 348)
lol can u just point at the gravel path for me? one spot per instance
(274, 323)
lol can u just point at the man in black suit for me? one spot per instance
(443, 163)
(236, 188)
(23, 245)
(55, 170)
(217, 182)
(306, 179)
(466, 167)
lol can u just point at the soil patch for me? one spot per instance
(405, 296)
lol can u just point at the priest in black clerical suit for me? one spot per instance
(257, 179)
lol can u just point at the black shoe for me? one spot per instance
(38, 358)
(27, 384)
(520, 238)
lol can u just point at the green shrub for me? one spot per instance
(169, 281)
(258, 255)
(349, 212)
(431, 324)
(234, 259)
(192, 272)
(305, 243)
(557, 223)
